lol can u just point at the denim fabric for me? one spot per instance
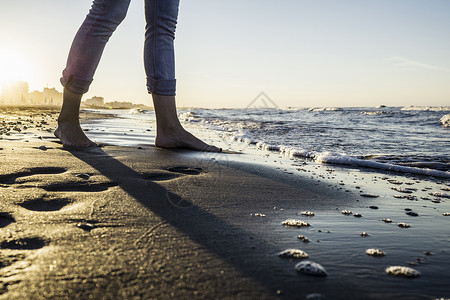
(102, 20)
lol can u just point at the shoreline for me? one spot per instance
(155, 223)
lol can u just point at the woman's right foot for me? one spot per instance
(69, 130)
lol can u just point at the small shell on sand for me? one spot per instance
(387, 220)
(293, 253)
(315, 296)
(446, 214)
(309, 267)
(84, 176)
(346, 212)
(364, 234)
(403, 225)
(368, 195)
(439, 194)
(258, 215)
(307, 213)
(404, 190)
(402, 271)
(393, 181)
(303, 238)
(375, 252)
(295, 223)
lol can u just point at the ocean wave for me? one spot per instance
(426, 108)
(377, 113)
(343, 159)
(445, 120)
(326, 157)
(410, 141)
(319, 109)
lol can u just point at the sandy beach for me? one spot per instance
(146, 223)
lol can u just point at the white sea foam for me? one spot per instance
(426, 108)
(445, 120)
(343, 159)
(325, 109)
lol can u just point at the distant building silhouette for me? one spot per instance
(16, 93)
(52, 97)
(95, 101)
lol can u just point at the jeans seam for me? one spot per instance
(90, 27)
(155, 14)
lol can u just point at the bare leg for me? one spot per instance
(169, 132)
(69, 130)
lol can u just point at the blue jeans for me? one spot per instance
(102, 20)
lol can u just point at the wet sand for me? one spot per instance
(146, 223)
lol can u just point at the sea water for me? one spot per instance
(404, 139)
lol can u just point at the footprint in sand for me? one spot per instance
(5, 219)
(31, 243)
(160, 176)
(172, 173)
(45, 204)
(11, 178)
(185, 170)
(79, 187)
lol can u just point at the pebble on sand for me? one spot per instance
(412, 214)
(403, 225)
(86, 226)
(375, 252)
(303, 238)
(309, 267)
(293, 253)
(402, 271)
(295, 223)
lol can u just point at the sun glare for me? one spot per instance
(13, 67)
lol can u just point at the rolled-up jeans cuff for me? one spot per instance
(162, 87)
(75, 84)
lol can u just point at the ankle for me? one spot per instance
(174, 128)
(68, 118)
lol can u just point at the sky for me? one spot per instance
(301, 53)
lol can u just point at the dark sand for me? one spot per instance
(127, 223)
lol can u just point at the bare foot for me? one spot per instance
(69, 130)
(71, 135)
(169, 132)
(181, 138)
